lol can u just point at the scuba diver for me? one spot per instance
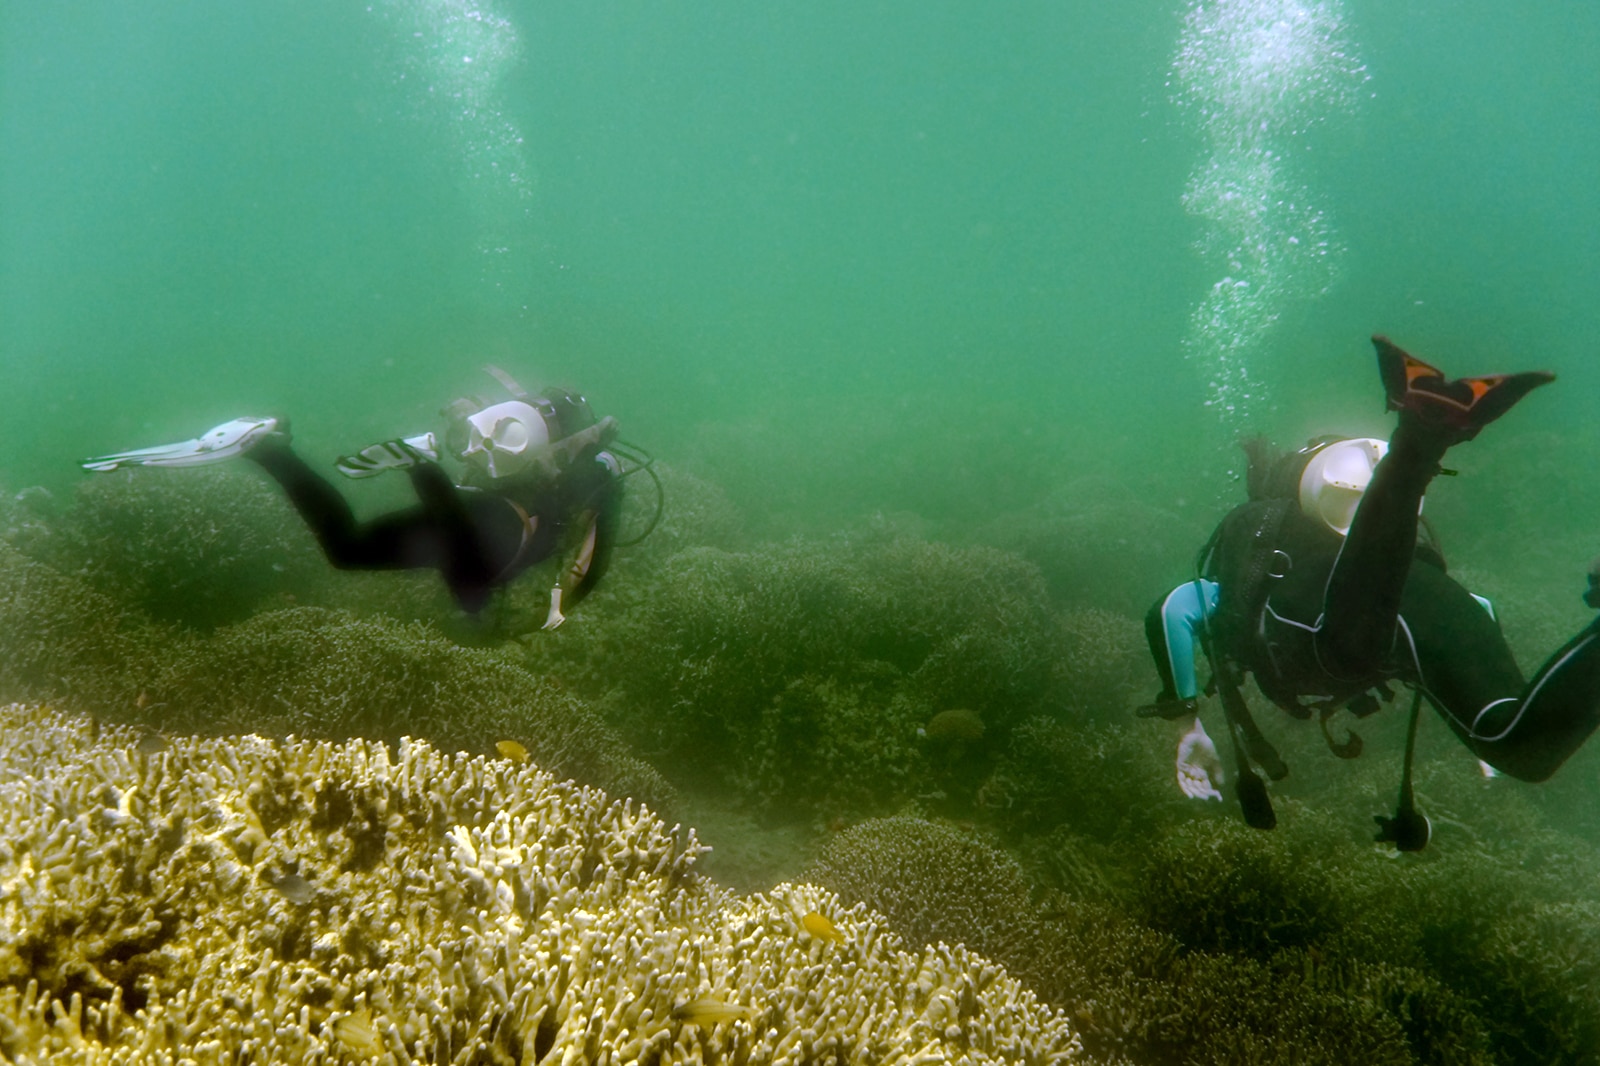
(541, 477)
(1320, 586)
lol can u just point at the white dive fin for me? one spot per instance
(213, 446)
(374, 459)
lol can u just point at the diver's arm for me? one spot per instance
(1173, 629)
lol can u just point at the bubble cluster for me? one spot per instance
(1256, 75)
(454, 57)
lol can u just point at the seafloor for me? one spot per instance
(938, 728)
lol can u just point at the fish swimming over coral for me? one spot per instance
(821, 927)
(708, 1010)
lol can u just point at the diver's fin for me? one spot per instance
(374, 459)
(1459, 408)
(213, 446)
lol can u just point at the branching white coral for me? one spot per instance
(251, 900)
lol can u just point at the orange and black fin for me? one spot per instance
(1460, 407)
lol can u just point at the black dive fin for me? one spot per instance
(1460, 407)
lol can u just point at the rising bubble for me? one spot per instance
(1254, 76)
(454, 58)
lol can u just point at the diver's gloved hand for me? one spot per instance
(1592, 596)
(1169, 707)
(1199, 768)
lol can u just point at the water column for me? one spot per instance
(1254, 76)
(454, 57)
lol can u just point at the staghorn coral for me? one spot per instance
(1134, 993)
(796, 676)
(328, 674)
(1108, 782)
(59, 638)
(201, 548)
(306, 670)
(933, 882)
(289, 902)
(1104, 666)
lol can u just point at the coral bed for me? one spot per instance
(248, 900)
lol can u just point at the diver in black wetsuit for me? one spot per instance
(1318, 586)
(539, 479)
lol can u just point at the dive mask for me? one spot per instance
(504, 439)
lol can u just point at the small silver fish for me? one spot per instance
(152, 744)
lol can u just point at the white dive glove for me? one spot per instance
(1199, 769)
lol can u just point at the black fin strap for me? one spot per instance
(1254, 802)
(1409, 829)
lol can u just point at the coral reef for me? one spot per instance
(246, 899)
(312, 671)
(1108, 782)
(59, 638)
(199, 547)
(1135, 991)
(932, 882)
(327, 674)
(796, 676)
(1103, 664)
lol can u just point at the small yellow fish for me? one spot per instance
(511, 750)
(820, 927)
(708, 1010)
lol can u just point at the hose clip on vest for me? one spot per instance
(555, 617)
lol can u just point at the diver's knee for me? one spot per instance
(1535, 766)
(1351, 657)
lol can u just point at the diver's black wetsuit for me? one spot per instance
(477, 539)
(1343, 614)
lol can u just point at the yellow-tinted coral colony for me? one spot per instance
(244, 900)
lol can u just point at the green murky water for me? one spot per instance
(1010, 275)
(922, 254)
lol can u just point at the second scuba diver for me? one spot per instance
(539, 479)
(1318, 586)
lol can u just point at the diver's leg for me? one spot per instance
(1463, 664)
(404, 540)
(1558, 713)
(1452, 648)
(324, 510)
(477, 535)
(1362, 600)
